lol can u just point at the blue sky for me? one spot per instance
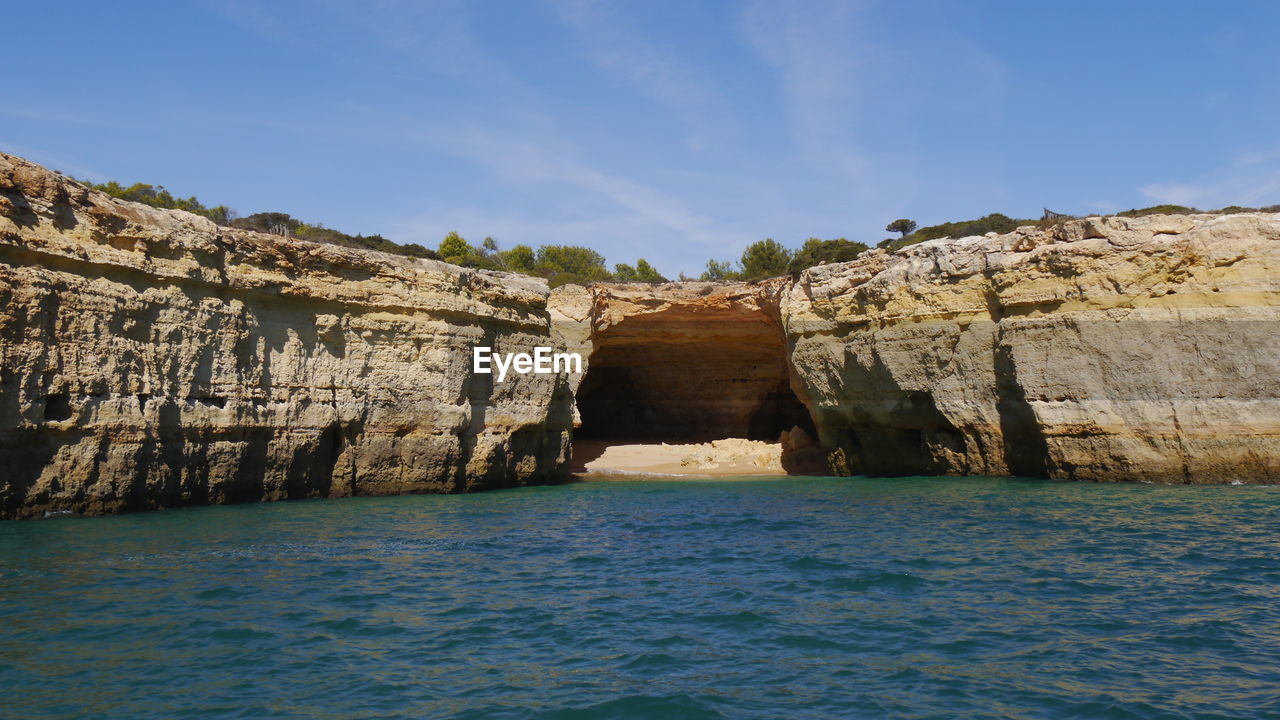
(674, 131)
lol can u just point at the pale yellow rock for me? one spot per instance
(152, 359)
(1099, 349)
(728, 457)
(682, 361)
(1104, 349)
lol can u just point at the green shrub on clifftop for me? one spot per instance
(817, 252)
(157, 196)
(1159, 210)
(276, 223)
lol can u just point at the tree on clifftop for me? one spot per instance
(901, 225)
(816, 252)
(717, 271)
(646, 272)
(454, 249)
(764, 258)
(519, 258)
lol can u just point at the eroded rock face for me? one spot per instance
(1120, 349)
(152, 359)
(682, 362)
(1104, 349)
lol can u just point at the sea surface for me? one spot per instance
(761, 598)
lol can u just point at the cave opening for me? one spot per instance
(680, 380)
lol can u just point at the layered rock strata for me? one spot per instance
(152, 359)
(1102, 349)
(681, 362)
(1121, 349)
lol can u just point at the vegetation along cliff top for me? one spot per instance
(573, 264)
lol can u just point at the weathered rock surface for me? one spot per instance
(1100, 349)
(680, 361)
(151, 359)
(1103, 349)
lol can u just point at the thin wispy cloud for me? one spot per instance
(55, 161)
(600, 232)
(812, 48)
(259, 18)
(515, 135)
(828, 72)
(49, 116)
(1253, 179)
(552, 160)
(610, 41)
(434, 36)
(676, 131)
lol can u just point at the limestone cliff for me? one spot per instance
(150, 358)
(1102, 349)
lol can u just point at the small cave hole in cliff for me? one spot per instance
(689, 378)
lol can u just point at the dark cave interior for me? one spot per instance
(669, 387)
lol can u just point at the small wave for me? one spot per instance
(589, 560)
(606, 474)
(806, 642)
(356, 627)
(809, 562)
(876, 581)
(651, 662)
(239, 635)
(638, 706)
(461, 611)
(745, 620)
(218, 593)
(671, 641)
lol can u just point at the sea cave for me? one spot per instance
(689, 373)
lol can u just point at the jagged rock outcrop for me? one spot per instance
(1101, 349)
(150, 358)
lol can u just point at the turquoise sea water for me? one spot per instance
(787, 598)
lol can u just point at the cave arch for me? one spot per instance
(689, 374)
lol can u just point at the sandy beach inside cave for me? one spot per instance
(733, 456)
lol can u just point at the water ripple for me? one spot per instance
(794, 598)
